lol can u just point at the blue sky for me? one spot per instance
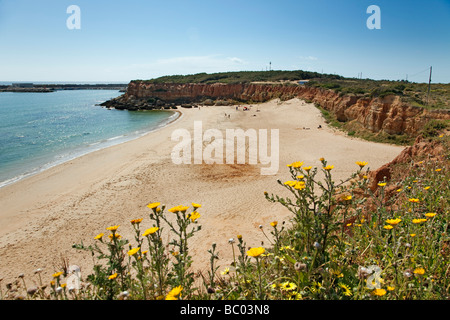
(124, 40)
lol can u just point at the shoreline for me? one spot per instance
(76, 154)
(43, 215)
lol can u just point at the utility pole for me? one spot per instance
(270, 66)
(429, 86)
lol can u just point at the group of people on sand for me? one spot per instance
(319, 127)
(245, 108)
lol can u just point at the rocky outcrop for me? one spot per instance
(388, 114)
(432, 150)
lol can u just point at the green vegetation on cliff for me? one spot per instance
(243, 77)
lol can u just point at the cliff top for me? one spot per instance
(242, 77)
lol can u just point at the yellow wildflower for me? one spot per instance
(113, 276)
(300, 177)
(196, 205)
(430, 215)
(153, 205)
(225, 271)
(113, 228)
(178, 208)
(412, 234)
(174, 293)
(379, 292)
(57, 274)
(388, 227)
(390, 288)
(136, 221)
(393, 221)
(381, 184)
(416, 221)
(194, 216)
(419, 271)
(99, 236)
(347, 197)
(255, 252)
(307, 168)
(290, 183)
(296, 164)
(347, 291)
(294, 295)
(300, 185)
(328, 168)
(437, 170)
(150, 231)
(414, 200)
(288, 286)
(114, 235)
(361, 164)
(322, 159)
(274, 223)
(132, 252)
(427, 187)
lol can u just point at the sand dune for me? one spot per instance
(43, 215)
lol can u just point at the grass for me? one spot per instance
(344, 240)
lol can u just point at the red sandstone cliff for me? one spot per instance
(388, 114)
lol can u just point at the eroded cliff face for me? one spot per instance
(388, 114)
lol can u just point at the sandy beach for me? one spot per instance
(43, 215)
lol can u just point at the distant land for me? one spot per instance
(34, 87)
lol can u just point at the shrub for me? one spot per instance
(434, 127)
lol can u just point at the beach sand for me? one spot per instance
(43, 215)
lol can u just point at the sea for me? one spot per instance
(41, 130)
